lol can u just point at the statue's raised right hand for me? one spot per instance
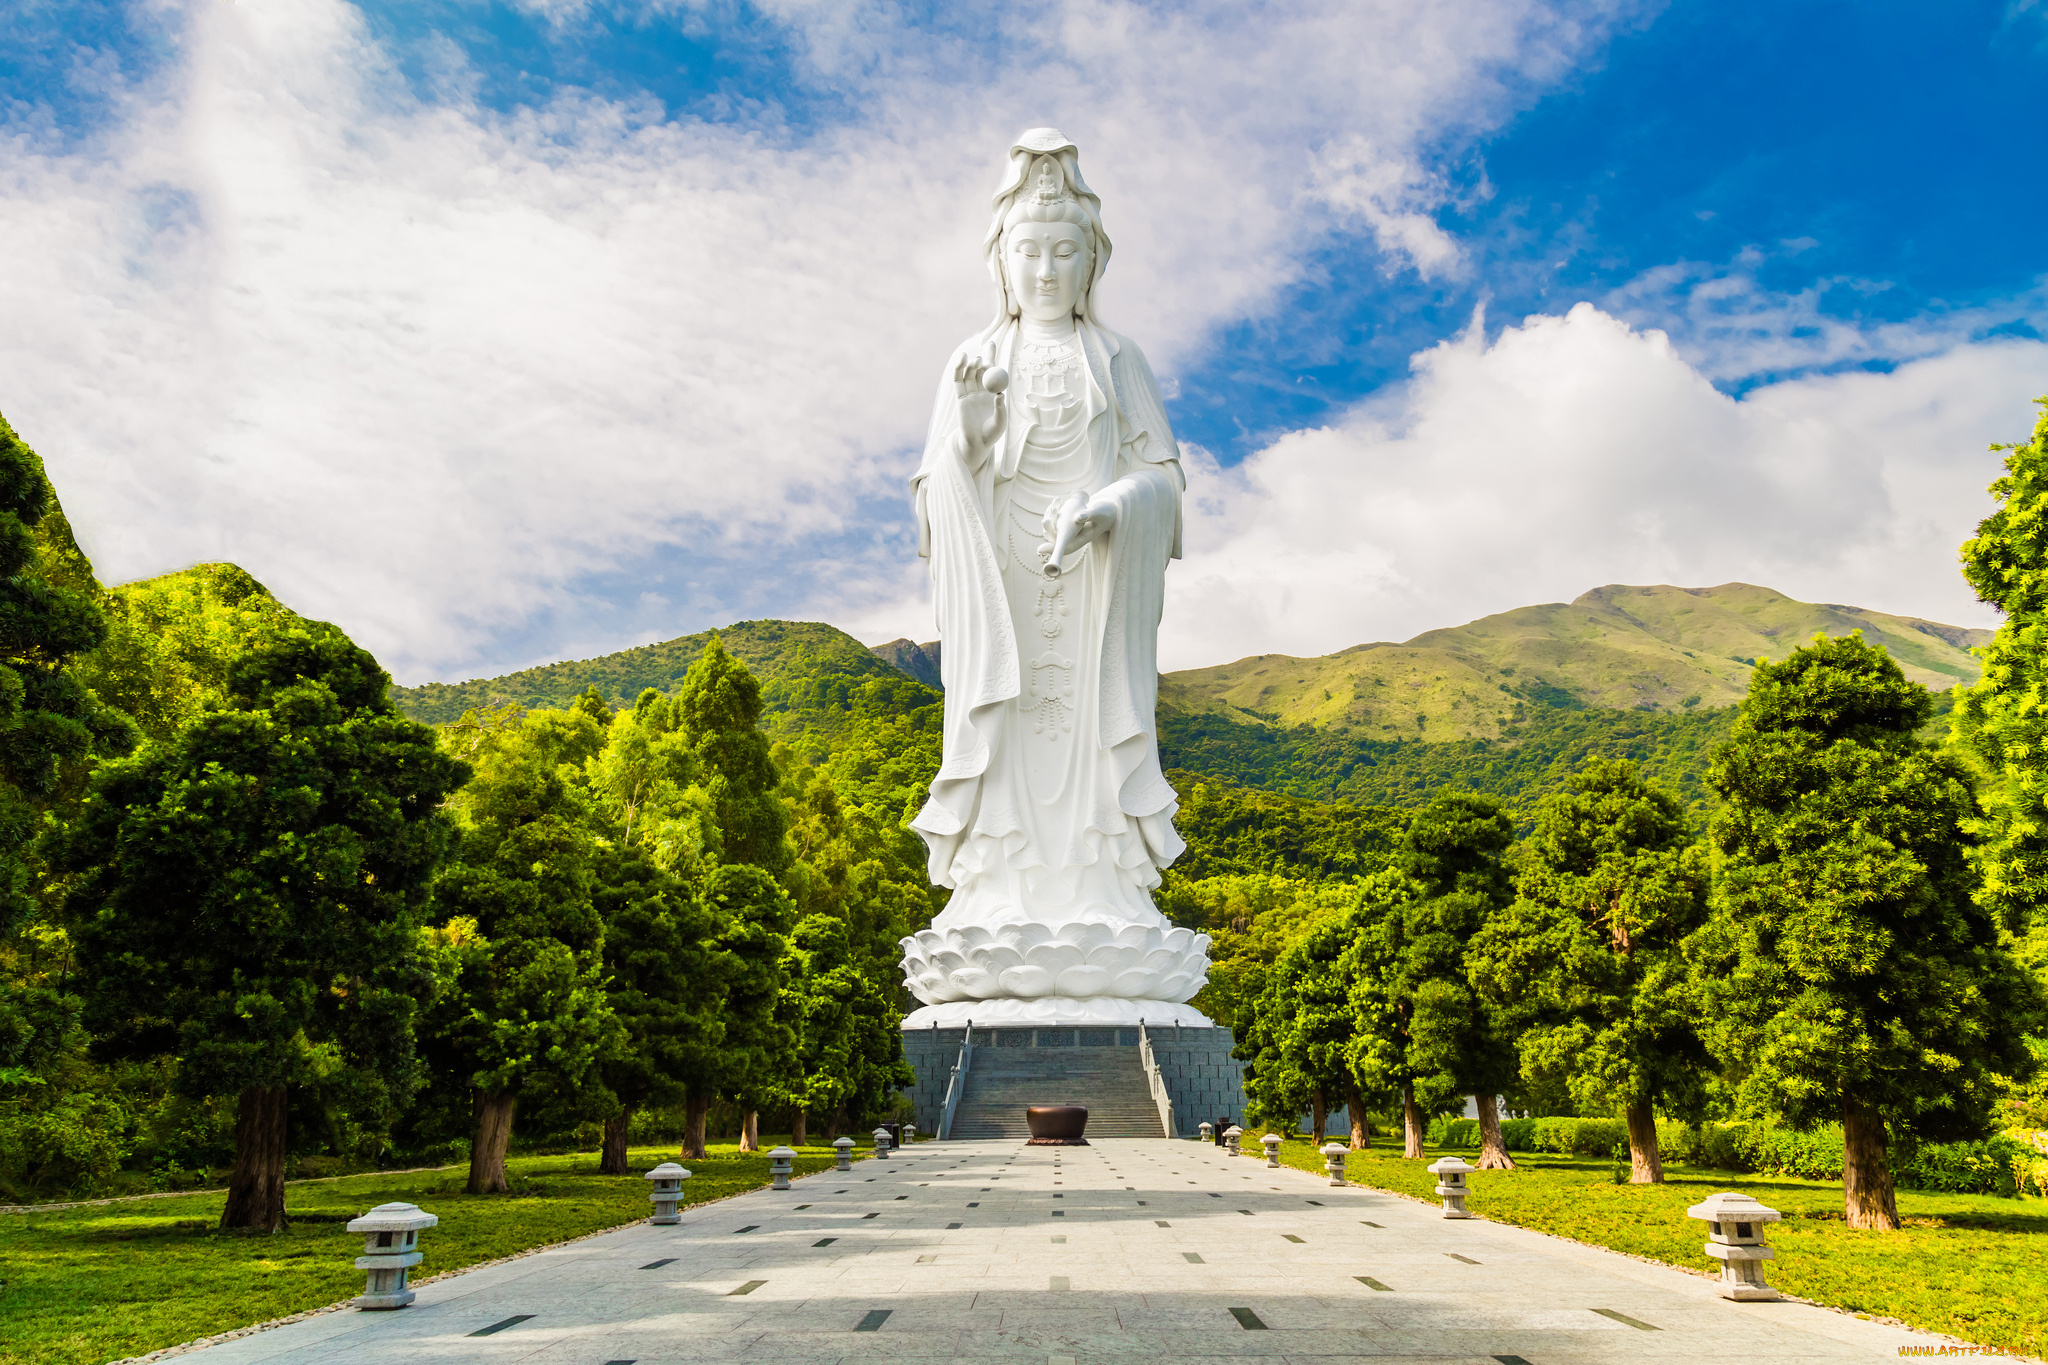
(979, 388)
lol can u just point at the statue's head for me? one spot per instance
(1045, 245)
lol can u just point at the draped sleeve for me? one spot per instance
(978, 662)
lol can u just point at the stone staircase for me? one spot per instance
(1002, 1082)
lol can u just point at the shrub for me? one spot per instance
(69, 1146)
(1992, 1166)
(1679, 1144)
(2030, 1160)
(1518, 1135)
(1452, 1132)
(1815, 1154)
(1720, 1146)
(1579, 1137)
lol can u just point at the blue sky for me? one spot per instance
(434, 290)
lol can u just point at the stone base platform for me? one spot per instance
(1204, 1081)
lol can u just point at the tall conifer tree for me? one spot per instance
(523, 1022)
(248, 895)
(1848, 973)
(1422, 1031)
(1588, 959)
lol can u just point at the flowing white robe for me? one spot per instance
(1049, 813)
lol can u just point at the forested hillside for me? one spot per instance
(1527, 761)
(1509, 705)
(815, 680)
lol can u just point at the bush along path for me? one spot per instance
(106, 1282)
(1972, 1266)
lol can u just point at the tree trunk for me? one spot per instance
(493, 1136)
(1361, 1131)
(1645, 1163)
(1319, 1111)
(694, 1110)
(613, 1161)
(1493, 1150)
(798, 1127)
(256, 1188)
(1411, 1122)
(750, 1131)
(834, 1121)
(1867, 1194)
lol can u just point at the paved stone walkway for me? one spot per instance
(1131, 1248)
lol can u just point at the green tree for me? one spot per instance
(1588, 960)
(172, 640)
(525, 1019)
(1302, 1036)
(1849, 973)
(850, 1039)
(1421, 1029)
(648, 781)
(48, 722)
(721, 713)
(247, 895)
(851, 866)
(1252, 921)
(751, 916)
(664, 981)
(2003, 718)
(54, 1132)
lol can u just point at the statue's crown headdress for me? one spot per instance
(1043, 180)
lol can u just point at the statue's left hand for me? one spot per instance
(1069, 528)
(1096, 521)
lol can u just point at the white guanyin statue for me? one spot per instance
(1048, 502)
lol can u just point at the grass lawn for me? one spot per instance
(97, 1284)
(1974, 1266)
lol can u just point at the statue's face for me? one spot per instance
(1048, 266)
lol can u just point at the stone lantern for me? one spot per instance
(1271, 1142)
(909, 1133)
(391, 1236)
(881, 1142)
(668, 1181)
(1334, 1153)
(1735, 1238)
(1230, 1137)
(1450, 1173)
(844, 1146)
(780, 1162)
(1208, 1132)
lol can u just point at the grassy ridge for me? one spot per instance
(1617, 648)
(101, 1283)
(1969, 1265)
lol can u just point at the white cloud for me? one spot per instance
(1728, 324)
(1575, 451)
(429, 370)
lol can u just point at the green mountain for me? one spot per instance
(815, 681)
(1510, 704)
(1659, 649)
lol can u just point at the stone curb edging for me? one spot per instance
(218, 1338)
(217, 1189)
(1970, 1347)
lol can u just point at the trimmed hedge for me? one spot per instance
(2002, 1165)
(1450, 1132)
